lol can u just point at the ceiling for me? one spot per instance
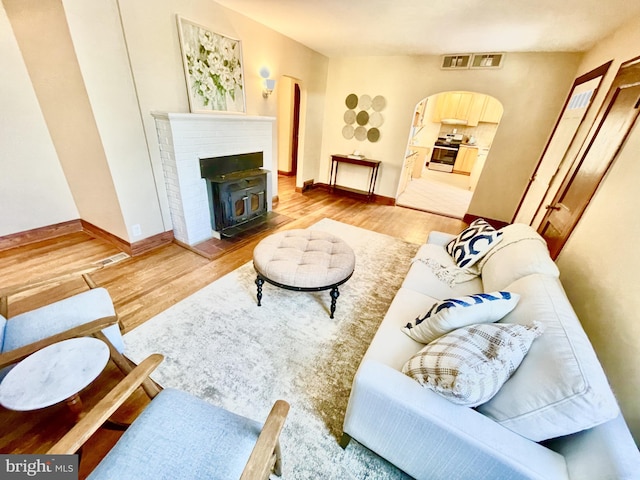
(426, 27)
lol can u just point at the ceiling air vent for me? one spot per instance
(450, 62)
(487, 60)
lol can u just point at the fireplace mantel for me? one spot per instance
(184, 138)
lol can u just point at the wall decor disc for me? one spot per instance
(347, 132)
(361, 133)
(373, 135)
(378, 103)
(351, 101)
(365, 102)
(375, 119)
(349, 116)
(362, 118)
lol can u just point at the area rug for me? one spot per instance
(219, 345)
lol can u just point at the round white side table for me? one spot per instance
(54, 374)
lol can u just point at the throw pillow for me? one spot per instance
(469, 365)
(473, 243)
(453, 313)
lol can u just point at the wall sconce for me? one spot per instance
(269, 85)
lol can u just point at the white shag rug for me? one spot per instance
(220, 346)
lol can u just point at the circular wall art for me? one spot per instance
(351, 101)
(349, 117)
(367, 117)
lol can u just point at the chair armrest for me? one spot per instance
(91, 422)
(261, 460)
(90, 328)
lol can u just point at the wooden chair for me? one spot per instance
(89, 313)
(180, 436)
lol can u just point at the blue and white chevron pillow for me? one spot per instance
(473, 243)
(453, 313)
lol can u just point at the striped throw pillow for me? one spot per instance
(469, 366)
(453, 313)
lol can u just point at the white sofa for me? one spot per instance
(560, 386)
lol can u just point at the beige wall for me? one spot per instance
(531, 86)
(598, 265)
(120, 60)
(33, 189)
(152, 38)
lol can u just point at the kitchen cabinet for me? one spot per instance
(465, 160)
(466, 107)
(452, 106)
(491, 110)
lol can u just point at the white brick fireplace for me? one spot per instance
(184, 139)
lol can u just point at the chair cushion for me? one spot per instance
(3, 322)
(181, 436)
(57, 317)
(469, 365)
(452, 313)
(560, 388)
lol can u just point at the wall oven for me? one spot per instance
(443, 158)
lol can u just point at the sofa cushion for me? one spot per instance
(521, 252)
(424, 279)
(473, 243)
(560, 388)
(469, 365)
(452, 313)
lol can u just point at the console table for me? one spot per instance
(374, 165)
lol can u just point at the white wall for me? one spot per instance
(33, 189)
(531, 86)
(599, 265)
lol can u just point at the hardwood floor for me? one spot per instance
(145, 285)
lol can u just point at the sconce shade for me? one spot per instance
(269, 85)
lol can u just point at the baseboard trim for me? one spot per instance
(39, 234)
(497, 224)
(133, 249)
(286, 174)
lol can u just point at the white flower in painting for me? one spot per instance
(213, 63)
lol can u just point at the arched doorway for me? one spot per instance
(450, 138)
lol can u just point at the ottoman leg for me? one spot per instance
(334, 296)
(259, 283)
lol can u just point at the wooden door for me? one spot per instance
(295, 129)
(613, 123)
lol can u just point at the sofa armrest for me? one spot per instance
(427, 436)
(604, 451)
(439, 238)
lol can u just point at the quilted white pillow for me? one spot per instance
(473, 243)
(453, 313)
(469, 365)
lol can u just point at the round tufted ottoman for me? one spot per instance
(303, 260)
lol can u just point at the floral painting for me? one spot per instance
(213, 69)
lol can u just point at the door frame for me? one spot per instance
(577, 162)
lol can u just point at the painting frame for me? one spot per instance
(213, 69)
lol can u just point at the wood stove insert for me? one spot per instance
(237, 191)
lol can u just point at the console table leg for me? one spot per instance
(259, 283)
(334, 296)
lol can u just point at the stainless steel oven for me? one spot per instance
(443, 158)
